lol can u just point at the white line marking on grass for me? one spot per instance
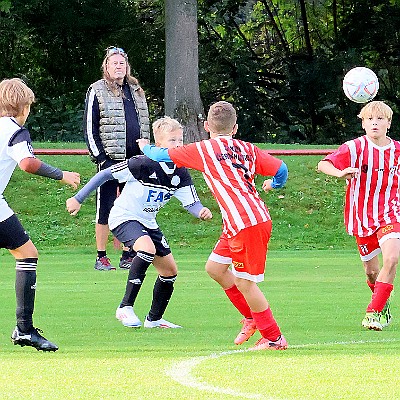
(181, 371)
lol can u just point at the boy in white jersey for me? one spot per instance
(16, 149)
(229, 167)
(370, 164)
(149, 186)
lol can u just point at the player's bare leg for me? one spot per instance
(223, 275)
(272, 337)
(378, 313)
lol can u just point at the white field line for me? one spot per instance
(181, 372)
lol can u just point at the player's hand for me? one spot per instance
(266, 186)
(205, 213)
(73, 206)
(71, 178)
(142, 142)
(348, 173)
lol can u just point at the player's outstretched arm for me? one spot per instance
(159, 154)
(73, 204)
(329, 169)
(33, 165)
(199, 211)
(278, 180)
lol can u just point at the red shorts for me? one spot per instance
(370, 246)
(247, 251)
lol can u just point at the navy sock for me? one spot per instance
(25, 289)
(101, 253)
(136, 275)
(162, 292)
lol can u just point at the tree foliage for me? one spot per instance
(281, 62)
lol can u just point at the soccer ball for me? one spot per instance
(360, 84)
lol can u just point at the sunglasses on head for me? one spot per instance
(115, 50)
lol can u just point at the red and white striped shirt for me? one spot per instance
(372, 196)
(229, 167)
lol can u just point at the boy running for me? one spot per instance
(149, 186)
(229, 166)
(16, 149)
(370, 164)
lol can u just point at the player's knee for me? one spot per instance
(391, 261)
(210, 269)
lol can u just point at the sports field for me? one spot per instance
(314, 282)
(318, 298)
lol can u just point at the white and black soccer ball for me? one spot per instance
(360, 84)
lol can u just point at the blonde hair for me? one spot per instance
(112, 85)
(221, 117)
(374, 108)
(15, 95)
(165, 125)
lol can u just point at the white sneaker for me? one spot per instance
(161, 323)
(128, 317)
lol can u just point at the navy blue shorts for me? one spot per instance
(130, 231)
(12, 233)
(106, 195)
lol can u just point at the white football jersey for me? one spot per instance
(15, 145)
(149, 186)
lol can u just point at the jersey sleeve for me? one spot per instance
(19, 145)
(266, 164)
(340, 158)
(122, 171)
(187, 195)
(187, 156)
(91, 127)
(186, 192)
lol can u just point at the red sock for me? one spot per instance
(371, 285)
(380, 296)
(238, 300)
(266, 324)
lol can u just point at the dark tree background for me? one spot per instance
(280, 63)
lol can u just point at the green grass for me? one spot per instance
(314, 282)
(307, 213)
(318, 298)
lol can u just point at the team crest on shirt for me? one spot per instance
(175, 181)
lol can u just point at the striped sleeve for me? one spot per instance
(91, 127)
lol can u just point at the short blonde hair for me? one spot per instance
(374, 108)
(15, 95)
(165, 125)
(221, 117)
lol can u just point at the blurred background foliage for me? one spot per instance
(281, 62)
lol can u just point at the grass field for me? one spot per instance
(318, 298)
(314, 282)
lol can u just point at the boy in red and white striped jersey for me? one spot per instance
(370, 164)
(229, 166)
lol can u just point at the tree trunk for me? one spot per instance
(182, 93)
